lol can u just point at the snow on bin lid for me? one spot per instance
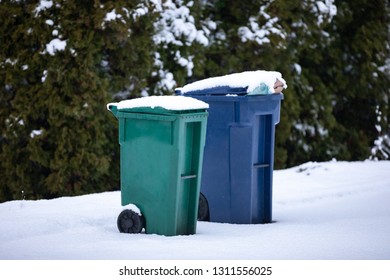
(173, 103)
(248, 81)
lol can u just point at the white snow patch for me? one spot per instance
(112, 16)
(176, 23)
(326, 9)
(175, 103)
(250, 79)
(298, 68)
(44, 76)
(322, 211)
(35, 133)
(49, 22)
(43, 5)
(139, 12)
(260, 34)
(55, 45)
(11, 61)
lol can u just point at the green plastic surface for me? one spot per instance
(161, 164)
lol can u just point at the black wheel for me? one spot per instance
(130, 222)
(203, 209)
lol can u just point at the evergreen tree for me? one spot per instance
(308, 106)
(358, 73)
(279, 36)
(62, 62)
(218, 38)
(179, 37)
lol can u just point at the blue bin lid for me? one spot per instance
(220, 90)
(258, 82)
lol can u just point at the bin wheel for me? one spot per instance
(130, 222)
(203, 209)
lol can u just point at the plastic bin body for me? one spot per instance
(239, 154)
(161, 155)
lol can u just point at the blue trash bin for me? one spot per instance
(238, 162)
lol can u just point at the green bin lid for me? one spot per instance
(169, 104)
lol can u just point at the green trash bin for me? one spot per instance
(161, 154)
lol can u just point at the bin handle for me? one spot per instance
(184, 177)
(113, 108)
(260, 165)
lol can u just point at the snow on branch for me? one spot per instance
(260, 34)
(177, 26)
(325, 11)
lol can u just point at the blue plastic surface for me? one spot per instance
(239, 155)
(221, 90)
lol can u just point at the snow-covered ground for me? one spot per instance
(327, 210)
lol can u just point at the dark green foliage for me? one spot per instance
(57, 138)
(358, 52)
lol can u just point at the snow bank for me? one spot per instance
(250, 79)
(175, 103)
(322, 211)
